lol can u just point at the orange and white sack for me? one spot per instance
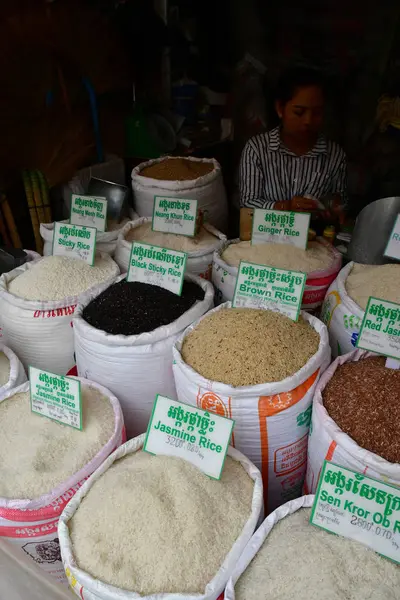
(341, 315)
(271, 419)
(208, 190)
(31, 525)
(134, 367)
(17, 371)
(328, 442)
(224, 278)
(87, 587)
(39, 331)
(199, 262)
(259, 538)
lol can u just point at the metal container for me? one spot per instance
(372, 230)
(116, 195)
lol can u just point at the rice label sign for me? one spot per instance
(188, 432)
(174, 215)
(56, 397)
(393, 246)
(157, 266)
(280, 227)
(359, 508)
(74, 241)
(89, 210)
(258, 286)
(380, 329)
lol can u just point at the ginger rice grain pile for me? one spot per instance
(243, 346)
(4, 369)
(37, 454)
(157, 524)
(302, 562)
(317, 257)
(380, 281)
(177, 169)
(363, 398)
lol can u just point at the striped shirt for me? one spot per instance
(270, 173)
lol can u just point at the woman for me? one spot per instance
(291, 166)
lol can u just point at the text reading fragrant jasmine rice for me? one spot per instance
(188, 432)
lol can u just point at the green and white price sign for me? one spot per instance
(90, 211)
(360, 508)
(280, 227)
(74, 241)
(188, 432)
(56, 397)
(174, 215)
(157, 266)
(259, 286)
(380, 330)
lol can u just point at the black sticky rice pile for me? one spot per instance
(133, 308)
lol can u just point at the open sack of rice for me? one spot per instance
(289, 558)
(321, 262)
(37, 301)
(347, 298)
(43, 463)
(259, 368)
(12, 373)
(157, 527)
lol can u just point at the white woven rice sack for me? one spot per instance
(342, 315)
(134, 367)
(17, 371)
(259, 538)
(85, 586)
(39, 332)
(208, 190)
(224, 278)
(31, 525)
(328, 442)
(271, 420)
(198, 262)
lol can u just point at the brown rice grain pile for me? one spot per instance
(177, 169)
(244, 346)
(363, 398)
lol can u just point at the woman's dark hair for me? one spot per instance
(294, 78)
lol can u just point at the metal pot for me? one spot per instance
(372, 230)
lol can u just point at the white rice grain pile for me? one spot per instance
(181, 243)
(37, 453)
(317, 257)
(154, 524)
(380, 281)
(4, 369)
(298, 560)
(59, 277)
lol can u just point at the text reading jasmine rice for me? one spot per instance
(157, 524)
(242, 346)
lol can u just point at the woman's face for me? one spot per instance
(302, 115)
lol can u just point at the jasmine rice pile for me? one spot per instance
(317, 257)
(59, 277)
(37, 454)
(380, 281)
(243, 346)
(4, 369)
(143, 233)
(298, 560)
(157, 524)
